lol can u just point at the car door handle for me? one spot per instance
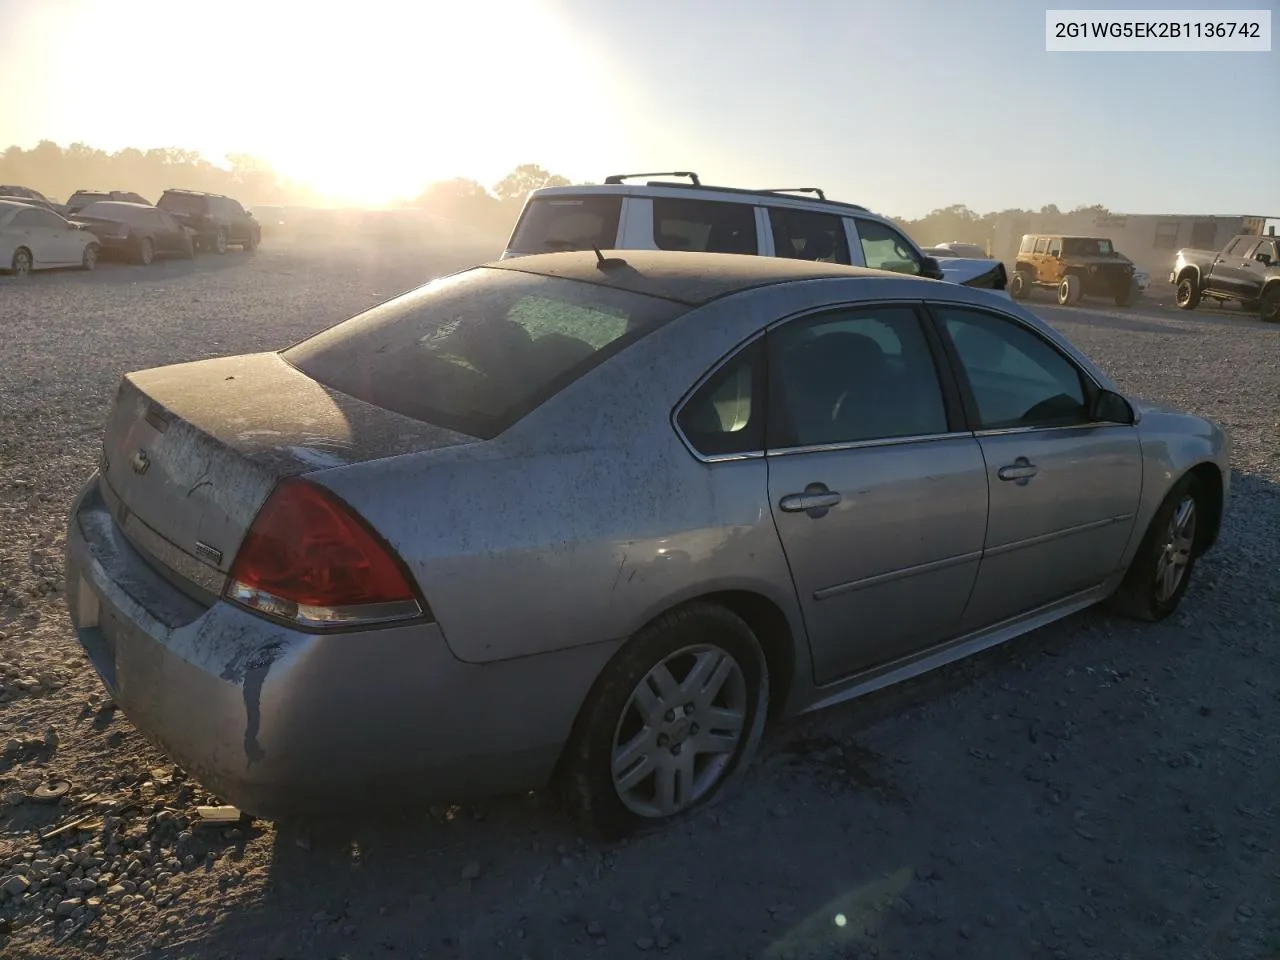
(810, 500)
(1021, 469)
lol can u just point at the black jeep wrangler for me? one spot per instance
(1073, 266)
(219, 222)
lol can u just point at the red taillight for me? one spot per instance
(309, 559)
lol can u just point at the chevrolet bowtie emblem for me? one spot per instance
(140, 462)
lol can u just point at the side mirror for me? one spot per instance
(929, 267)
(1263, 258)
(1109, 407)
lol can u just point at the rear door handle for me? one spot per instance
(815, 501)
(1020, 470)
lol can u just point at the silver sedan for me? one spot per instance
(590, 520)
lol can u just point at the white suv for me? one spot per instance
(661, 215)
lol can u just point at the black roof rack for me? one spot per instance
(815, 190)
(619, 177)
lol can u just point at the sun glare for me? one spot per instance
(371, 108)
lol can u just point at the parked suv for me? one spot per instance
(1073, 266)
(219, 222)
(82, 198)
(665, 215)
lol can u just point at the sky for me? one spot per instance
(901, 105)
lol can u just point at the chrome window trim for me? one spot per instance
(1009, 431)
(868, 444)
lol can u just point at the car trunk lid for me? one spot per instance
(191, 452)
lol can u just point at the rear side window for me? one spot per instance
(706, 226)
(726, 414)
(477, 351)
(805, 235)
(568, 223)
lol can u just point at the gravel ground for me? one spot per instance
(1093, 790)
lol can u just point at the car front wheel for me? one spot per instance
(1187, 294)
(20, 265)
(1269, 305)
(674, 718)
(1020, 286)
(220, 242)
(1069, 290)
(1161, 569)
(89, 259)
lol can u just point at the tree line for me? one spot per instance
(58, 171)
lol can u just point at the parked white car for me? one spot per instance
(665, 215)
(33, 238)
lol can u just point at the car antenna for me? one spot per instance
(604, 263)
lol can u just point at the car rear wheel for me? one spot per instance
(1069, 290)
(1161, 569)
(220, 242)
(1187, 294)
(89, 259)
(1020, 285)
(674, 718)
(1269, 305)
(20, 265)
(146, 251)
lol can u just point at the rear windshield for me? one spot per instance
(181, 203)
(567, 223)
(110, 210)
(477, 351)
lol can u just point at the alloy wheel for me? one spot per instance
(679, 731)
(1175, 552)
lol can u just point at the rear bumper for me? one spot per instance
(282, 723)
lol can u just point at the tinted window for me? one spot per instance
(569, 223)
(726, 415)
(704, 225)
(850, 375)
(886, 249)
(1087, 247)
(47, 218)
(1018, 379)
(804, 235)
(25, 218)
(478, 350)
(183, 203)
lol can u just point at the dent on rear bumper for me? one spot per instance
(284, 723)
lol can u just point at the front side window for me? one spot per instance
(1055, 247)
(726, 414)
(805, 235)
(884, 248)
(549, 224)
(706, 226)
(478, 350)
(1016, 377)
(853, 375)
(1042, 245)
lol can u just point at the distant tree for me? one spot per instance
(515, 186)
(1050, 210)
(1096, 209)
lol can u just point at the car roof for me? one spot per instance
(685, 277)
(8, 206)
(117, 205)
(703, 191)
(1067, 236)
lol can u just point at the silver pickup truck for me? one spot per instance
(1247, 269)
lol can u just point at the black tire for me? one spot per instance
(1269, 305)
(22, 263)
(250, 245)
(1124, 297)
(1139, 596)
(89, 259)
(1020, 285)
(220, 242)
(1069, 290)
(146, 251)
(1187, 293)
(585, 779)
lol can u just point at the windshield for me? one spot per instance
(1087, 247)
(478, 350)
